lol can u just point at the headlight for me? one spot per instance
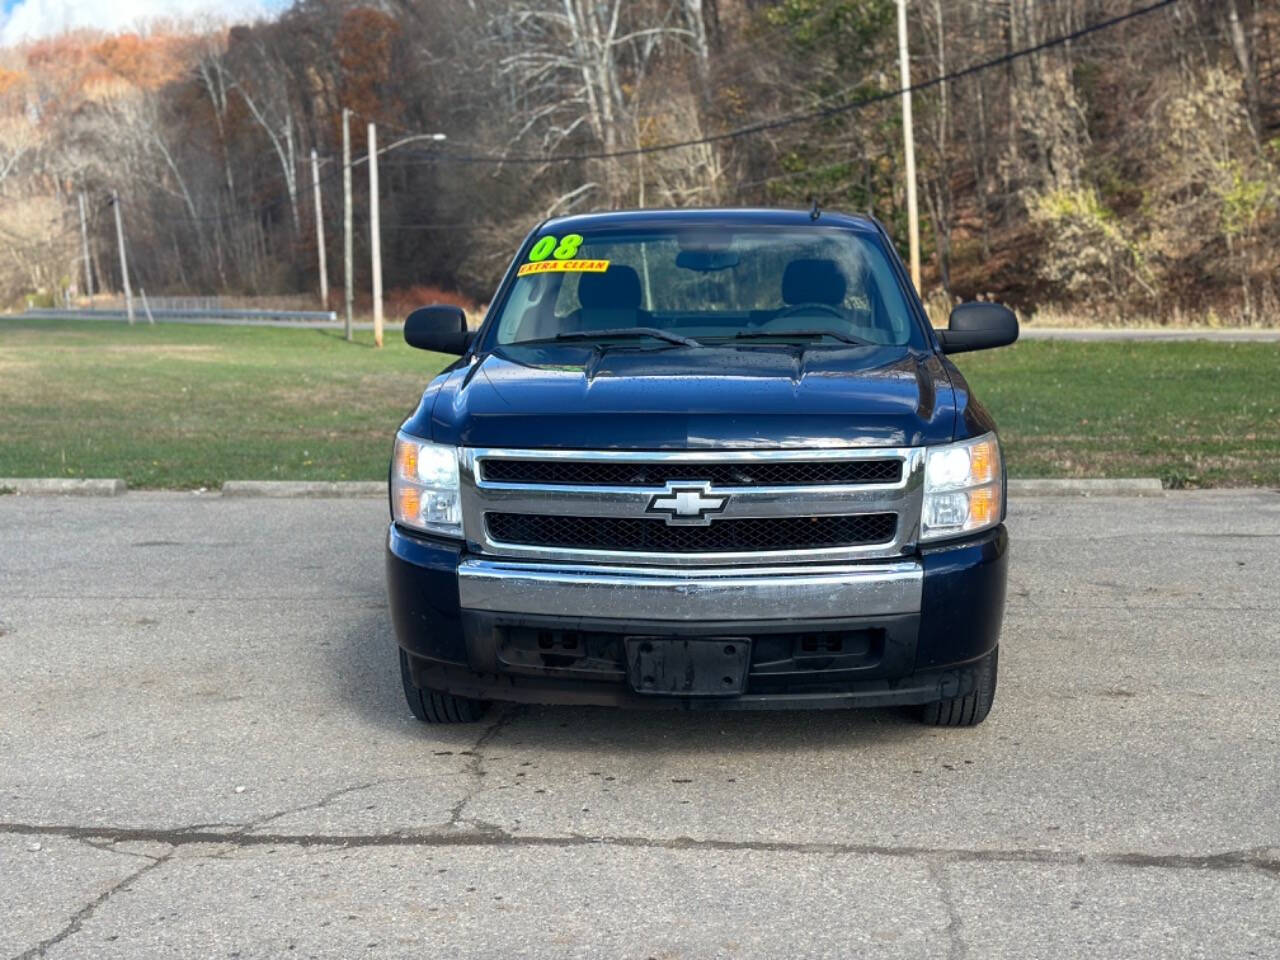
(963, 488)
(424, 487)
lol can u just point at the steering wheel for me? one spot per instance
(795, 308)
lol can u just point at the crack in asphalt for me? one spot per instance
(475, 760)
(320, 804)
(1265, 859)
(78, 918)
(958, 949)
(108, 846)
(241, 835)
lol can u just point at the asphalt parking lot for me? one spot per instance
(204, 752)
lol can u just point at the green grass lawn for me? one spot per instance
(190, 406)
(1194, 414)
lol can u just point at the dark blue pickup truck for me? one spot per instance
(705, 459)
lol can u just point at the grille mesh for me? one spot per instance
(608, 473)
(745, 534)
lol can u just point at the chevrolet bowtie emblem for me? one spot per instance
(688, 504)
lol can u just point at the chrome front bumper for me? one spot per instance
(687, 595)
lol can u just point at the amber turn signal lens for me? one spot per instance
(982, 462)
(982, 507)
(410, 504)
(406, 461)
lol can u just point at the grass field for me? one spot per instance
(1194, 414)
(191, 406)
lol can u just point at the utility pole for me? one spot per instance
(909, 144)
(346, 216)
(124, 261)
(324, 272)
(375, 235)
(84, 243)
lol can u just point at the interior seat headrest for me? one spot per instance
(814, 281)
(618, 288)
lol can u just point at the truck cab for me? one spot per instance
(701, 459)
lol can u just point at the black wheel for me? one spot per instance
(431, 706)
(971, 709)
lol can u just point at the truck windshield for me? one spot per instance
(745, 286)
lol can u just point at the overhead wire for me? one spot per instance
(442, 156)
(751, 43)
(782, 122)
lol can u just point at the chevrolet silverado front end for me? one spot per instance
(706, 460)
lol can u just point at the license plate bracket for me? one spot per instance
(688, 666)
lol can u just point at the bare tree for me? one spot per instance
(260, 80)
(938, 138)
(577, 68)
(17, 139)
(1093, 174)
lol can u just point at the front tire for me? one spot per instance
(971, 709)
(432, 706)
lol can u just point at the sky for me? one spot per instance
(30, 19)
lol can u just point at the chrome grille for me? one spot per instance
(746, 534)
(748, 473)
(780, 506)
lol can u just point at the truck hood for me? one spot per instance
(580, 397)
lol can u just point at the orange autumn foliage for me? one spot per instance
(147, 63)
(11, 81)
(86, 64)
(366, 41)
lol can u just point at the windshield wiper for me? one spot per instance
(629, 332)
(805, 334)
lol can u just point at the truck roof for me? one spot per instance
(727, 217)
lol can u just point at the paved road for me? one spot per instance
(204, 753)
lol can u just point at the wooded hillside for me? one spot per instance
(1130, 172)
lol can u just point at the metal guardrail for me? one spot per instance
(285, 302)
(161, 313)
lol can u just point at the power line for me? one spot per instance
(749, 43)
(997, 140)
(779, 123)
(301, 188)
(442, 157)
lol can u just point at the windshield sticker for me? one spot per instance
(563, 266)
(565, 249)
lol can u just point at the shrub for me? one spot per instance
(401, 301)
(1087, 252)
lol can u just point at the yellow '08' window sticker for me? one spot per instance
(559, 255)
(564, 248)
(563, 266)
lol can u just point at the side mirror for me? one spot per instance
(442, 328)
(978, 326)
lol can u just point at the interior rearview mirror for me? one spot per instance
(441, 327)
(978, 326)
(705, 261)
